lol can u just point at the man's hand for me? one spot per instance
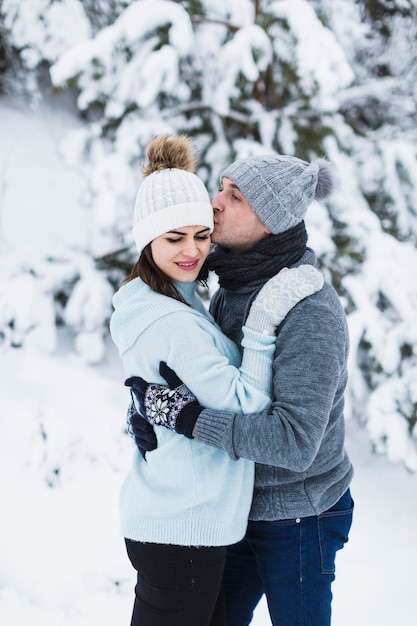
(173, 406)
(140, 430)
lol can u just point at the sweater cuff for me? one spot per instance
(216, 428)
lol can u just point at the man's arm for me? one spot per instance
(310, 375)
(309, 381)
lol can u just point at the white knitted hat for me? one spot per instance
(170, 196)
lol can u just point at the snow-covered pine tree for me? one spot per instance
(326, 77)
(375, 215)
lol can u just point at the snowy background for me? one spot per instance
(343, 83)
(64, 453)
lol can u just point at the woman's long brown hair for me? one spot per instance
(146, 269)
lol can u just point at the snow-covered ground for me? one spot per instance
(63, 452)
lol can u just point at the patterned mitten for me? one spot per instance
(174, 406)
(140, 430)
(280, 294)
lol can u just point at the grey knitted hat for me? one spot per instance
(280, 188)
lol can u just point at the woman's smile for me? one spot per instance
(187, 265)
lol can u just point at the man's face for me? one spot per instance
(236, 225)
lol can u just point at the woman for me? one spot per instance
(187, 501)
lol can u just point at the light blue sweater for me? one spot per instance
(186, 492)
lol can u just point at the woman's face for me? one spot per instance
(180, 253)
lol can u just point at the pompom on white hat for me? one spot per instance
(170, 196)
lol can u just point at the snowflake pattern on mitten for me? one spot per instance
(163, 405)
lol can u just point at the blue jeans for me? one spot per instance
(291, 561)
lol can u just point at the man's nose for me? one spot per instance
(216, 203)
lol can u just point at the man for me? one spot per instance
(302, 509)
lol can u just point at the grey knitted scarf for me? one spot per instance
(262, 261)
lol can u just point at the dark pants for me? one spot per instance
(292, 562)
(177, 585)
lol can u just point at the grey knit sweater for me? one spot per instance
(302, 467)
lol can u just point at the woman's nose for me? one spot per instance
(190, 248)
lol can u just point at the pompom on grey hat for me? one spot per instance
(280, 188)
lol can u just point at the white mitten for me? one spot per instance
(280, 294)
